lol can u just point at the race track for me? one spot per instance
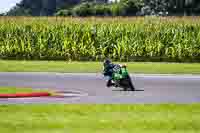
(91, 89)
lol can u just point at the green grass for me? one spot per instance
(13, 90)
(100, 118)
(96, 67)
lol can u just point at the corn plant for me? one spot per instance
(122, 39)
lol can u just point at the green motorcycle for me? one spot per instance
(121, 78)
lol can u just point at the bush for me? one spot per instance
(102, 10)
(63, 13)
(84, 9)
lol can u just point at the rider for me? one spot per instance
(109, 68)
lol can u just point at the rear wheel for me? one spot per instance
(125, 89)
(126, 84)
(131, 86)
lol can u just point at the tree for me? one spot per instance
(41, 7)
(102, 10)
(84, 9)
(184, 7)
(18, 11)
(155, 7)
(102, 7)
(131, 7)
(2, 14)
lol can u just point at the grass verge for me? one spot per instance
(100, 118)
(96, 67)
(13, 90)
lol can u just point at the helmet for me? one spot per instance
(107, 62)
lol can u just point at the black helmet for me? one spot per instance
(107, 62)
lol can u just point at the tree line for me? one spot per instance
(105, 8)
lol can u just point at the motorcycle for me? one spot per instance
(121, 78)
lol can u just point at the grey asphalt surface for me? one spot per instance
(91, 89)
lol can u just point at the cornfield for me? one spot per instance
(93, 39)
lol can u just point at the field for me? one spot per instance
(96, 67)
(100, 118)
(93, 39)
(77, 42)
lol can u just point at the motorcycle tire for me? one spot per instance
(131, 86)
(125, 84)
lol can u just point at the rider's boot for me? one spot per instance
(110, 83)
